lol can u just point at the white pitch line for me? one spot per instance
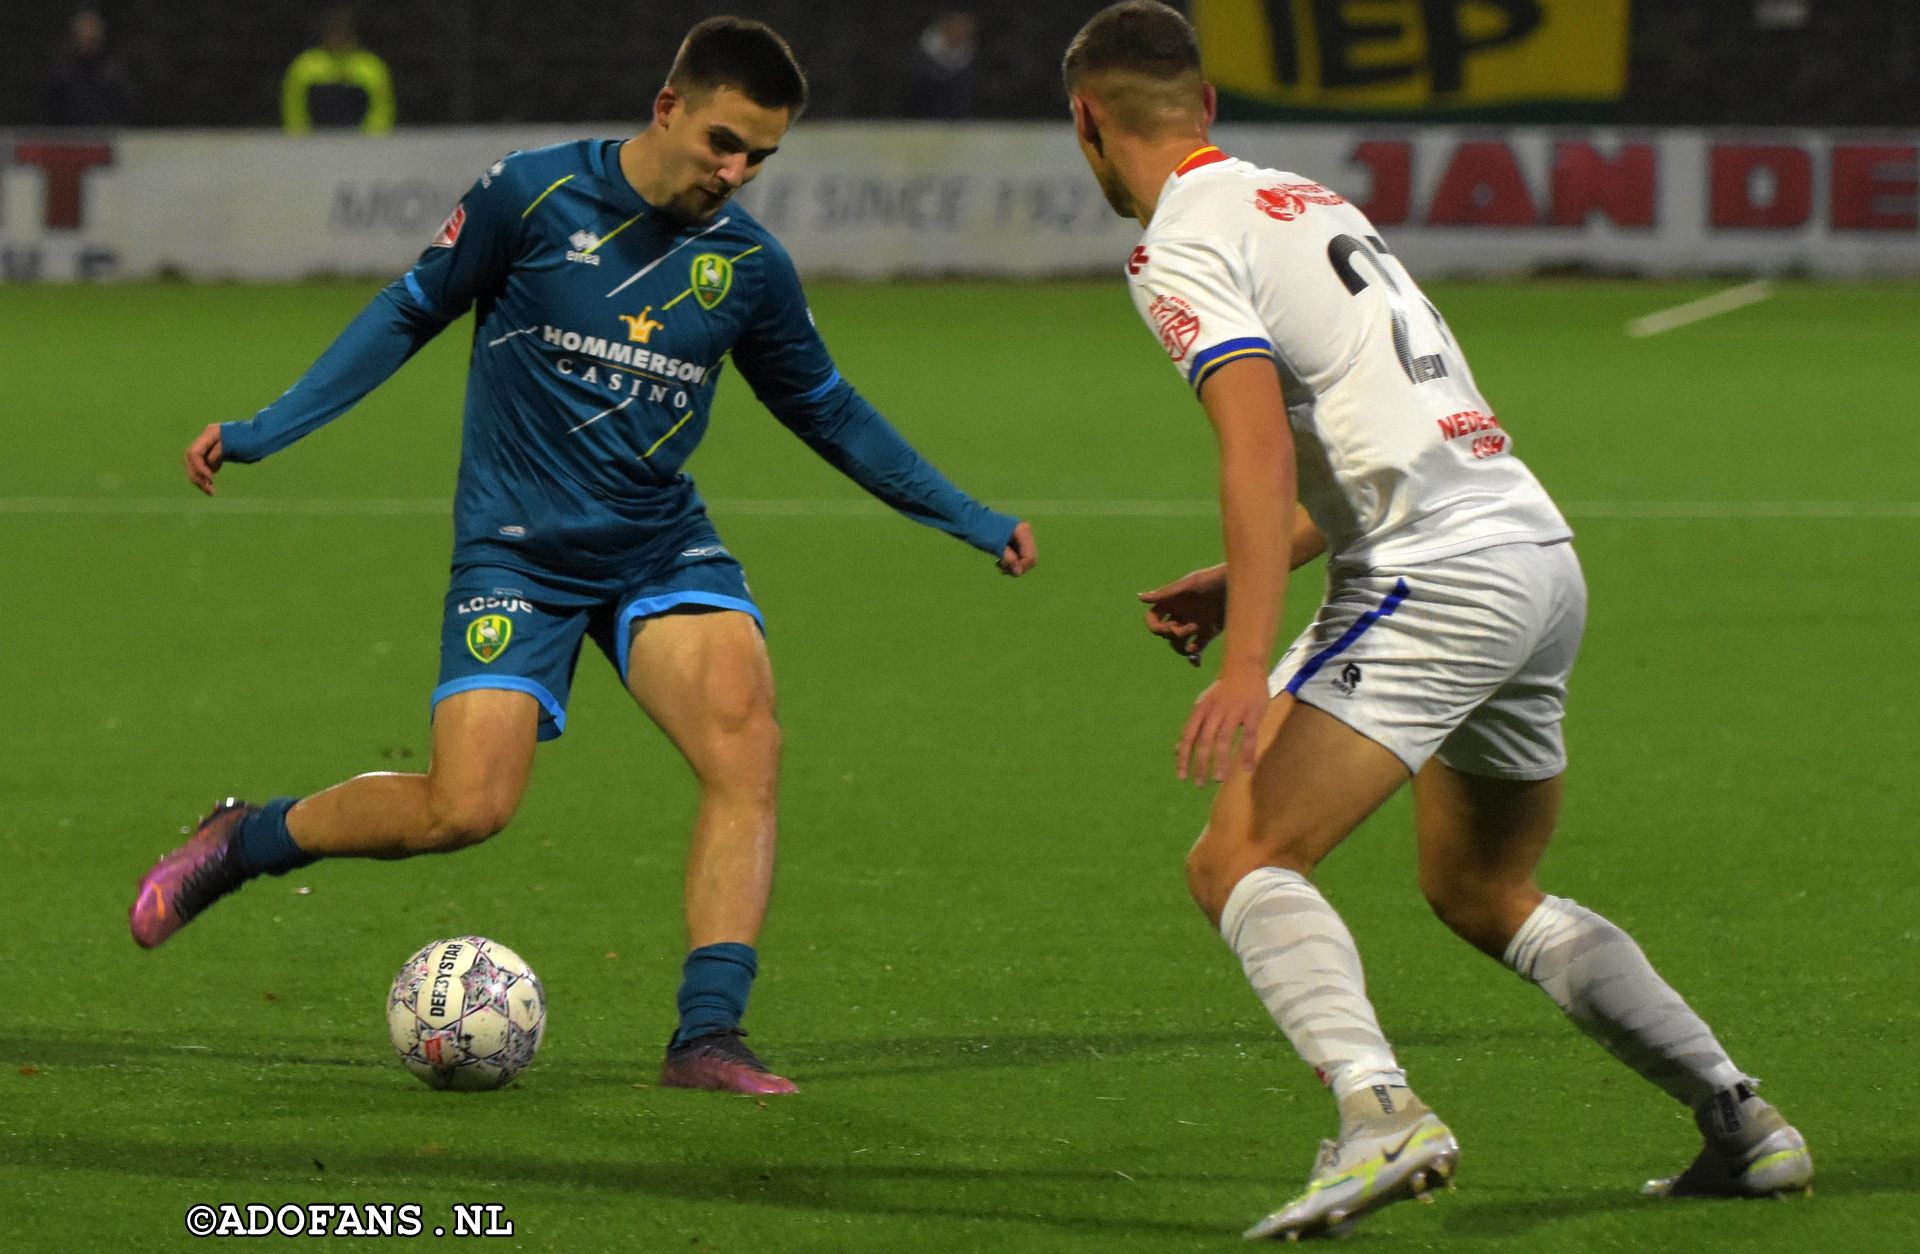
(1696, 310)
(186, 505)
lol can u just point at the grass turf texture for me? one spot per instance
(1011, 1029)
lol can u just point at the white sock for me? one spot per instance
(1595, 972)
(1302, 962)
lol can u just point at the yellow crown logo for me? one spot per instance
(640, 327)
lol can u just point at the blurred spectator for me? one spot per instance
(338, 84)
(942, 83)
(89, 86)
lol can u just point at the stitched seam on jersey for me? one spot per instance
(615, 231)
(543, 195)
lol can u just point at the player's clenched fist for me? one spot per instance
(1021, 553)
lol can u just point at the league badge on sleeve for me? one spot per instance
(1177, 324)
(450, 230)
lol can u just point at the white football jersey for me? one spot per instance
(1400, 458)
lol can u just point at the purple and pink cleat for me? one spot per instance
(191, 878)
(719, 1060)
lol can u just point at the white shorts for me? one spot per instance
(1466, 657)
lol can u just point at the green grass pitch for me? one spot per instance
(1011, 1030)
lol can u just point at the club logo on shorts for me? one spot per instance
(712, 279)
(1348, 681)
(488, 636)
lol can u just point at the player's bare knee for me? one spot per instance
(1213, 869)
(1478, 913)
(742, 751)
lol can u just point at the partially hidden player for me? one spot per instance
(608, 281)
(1347, 421)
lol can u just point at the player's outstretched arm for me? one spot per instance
(781, 356)
(466, 261)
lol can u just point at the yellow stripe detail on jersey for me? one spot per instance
(654, 447)
(543, 195)
(682, 296)
(1224, 358)
(615, 231)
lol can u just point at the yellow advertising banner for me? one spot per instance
(1333, 57)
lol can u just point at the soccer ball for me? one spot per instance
(466, 1013)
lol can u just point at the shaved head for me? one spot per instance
(1139, 59)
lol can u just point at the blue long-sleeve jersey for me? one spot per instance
(599, 332)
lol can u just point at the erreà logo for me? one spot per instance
(584, 242)
(640, 327)
(712, 279)
(488, 635)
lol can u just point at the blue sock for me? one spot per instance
(266, 846)
(713, 989)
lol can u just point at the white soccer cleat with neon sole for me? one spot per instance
(1750, 1151)
(1403, 1153)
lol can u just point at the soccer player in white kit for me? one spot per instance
(1348, 422)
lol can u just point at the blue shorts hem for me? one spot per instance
(647, 607)
(550, 727)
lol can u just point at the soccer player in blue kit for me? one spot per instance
(608, 280)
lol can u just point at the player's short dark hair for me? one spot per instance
(745, 55)
(1140, 37)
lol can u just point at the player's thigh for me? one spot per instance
(703, 675)
(1316, 781)
(1481, 839)
(483, 750)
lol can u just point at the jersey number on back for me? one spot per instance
(1343, 251)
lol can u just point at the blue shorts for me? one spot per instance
(507, 628)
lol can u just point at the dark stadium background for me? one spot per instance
(215, 63)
